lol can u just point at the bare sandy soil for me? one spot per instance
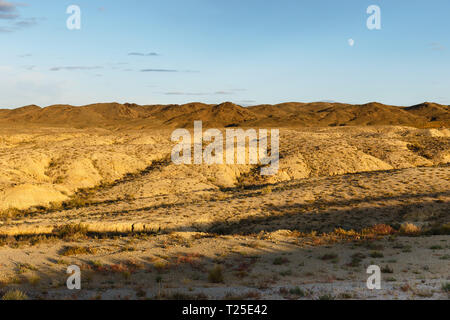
(142, 227)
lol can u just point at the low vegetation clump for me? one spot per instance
(267, 190)
(329, 256)
(341, 235)
(357, 258)
(409, 229)
(387, 269)
(76, 202)
(291, 293)
(34, 280)
(15, 295)
(446, 287)
(297, 292)
(280, 261)
(71, 232)
(439, 229)
(326, 297)
(376, 254)
(10, 213)
(76, 250)
(161, 266)
(180, 296)
(216, 275)
(24, 267)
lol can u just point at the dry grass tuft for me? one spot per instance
(409, 228)
(216, 275)
(71, 232)
(76, 250)
(15, 295)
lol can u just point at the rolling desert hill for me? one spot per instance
(293, 114)
(94, 186)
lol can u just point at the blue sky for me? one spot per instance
(248, 52)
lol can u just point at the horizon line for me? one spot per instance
(220, 103)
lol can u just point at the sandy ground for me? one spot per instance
(141, 227)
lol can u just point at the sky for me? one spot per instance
(245, 51)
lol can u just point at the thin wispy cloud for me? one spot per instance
(176, 93)
(8, 16)
(74, 68)
(436, 46)
(223, 93)
(140, 54)
(158, 70)
(5, 30)
(25, 23)
(29, 68)
(6, 6)
(15, 22)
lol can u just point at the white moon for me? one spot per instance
(351, 42)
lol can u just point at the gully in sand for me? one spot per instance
(213, 153)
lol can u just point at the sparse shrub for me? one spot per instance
(216, 275)
(71, 232)
(286, 273)
(118, 268)
(387, 269)
(376, 254)
(297, 292)
(126, 274)
(10, 213)
(357, 258)
(183, 296)
(135, 265)
(128, 248)
(380, 229)
(24, 267)
(76, 250)
(280, 261)
(76, 202)
(446, 287)
(409, 228)
(161, 266)
(15, 295)
(62, 261)
(34, 280)
(374, 246)
(267, 190)
(391, 279)
(329, 256)
(345, 295)
(253, 295)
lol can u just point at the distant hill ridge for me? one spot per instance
(227, 114)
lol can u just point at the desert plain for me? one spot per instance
(95, 187)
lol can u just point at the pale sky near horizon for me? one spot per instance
(248, 52)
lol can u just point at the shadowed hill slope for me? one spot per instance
(291, 114)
